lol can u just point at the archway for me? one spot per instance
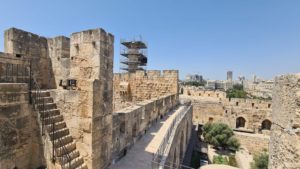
(240, 122)
(266, 125)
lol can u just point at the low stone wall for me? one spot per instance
(19, 143)
(131, 123)
(254, 143)
(179, 141)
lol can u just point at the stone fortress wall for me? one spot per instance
(130, 123)
(200, 92)
(79, 70)
(249, 118)
(143, 85)
(285, 133)
(77, 73)
(87, 106)
(19, 142)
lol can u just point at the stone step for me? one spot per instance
(40, 93)
(59, 133)
(82, 166)
(49, 113)
(64, 159)
(44, 99)
(46, 106)
(57, 126)
(75, 163)
(63, 141)
(65, 149)
(53, 119)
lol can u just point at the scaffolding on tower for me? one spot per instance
(133, 55)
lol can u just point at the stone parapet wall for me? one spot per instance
(31, 46)
(179, 141)
(249, 103)
(19, 132)
(285, 134)
(132, 122)
(143, 85)
(199, 92)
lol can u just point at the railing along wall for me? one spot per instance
(158, 159)
(48, 128)
(19, 70)
(15, 70)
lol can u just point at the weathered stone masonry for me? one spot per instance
(285, 134)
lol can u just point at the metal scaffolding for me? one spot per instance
(133, 55)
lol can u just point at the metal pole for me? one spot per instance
(30, 83)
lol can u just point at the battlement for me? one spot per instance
(91, 36)
(18, 41)
(249, 103)
(148, 74)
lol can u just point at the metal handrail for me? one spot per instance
(39, 104)
(157, 157)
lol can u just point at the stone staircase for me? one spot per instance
(55, 127)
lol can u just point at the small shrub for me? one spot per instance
(232, 161)
(260, 161)
(218, 159)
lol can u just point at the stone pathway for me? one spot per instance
(140, 155)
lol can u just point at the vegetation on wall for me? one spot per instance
(260, 161)
(220, 135)
(236, 92)
(230, 160)
(194, 83)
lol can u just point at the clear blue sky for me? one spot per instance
(207, 37)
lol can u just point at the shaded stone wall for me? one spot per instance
(14, 69)
(143, 85)
(31, 46)
(285, 134)
(19, 132)
(87, 107)
(180, 140)
(255, 143)
(207, 112)
(132, 122)
(253, 111)
(59, 53)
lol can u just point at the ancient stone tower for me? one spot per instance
(135, 57)
(91, 69)
(285, 131)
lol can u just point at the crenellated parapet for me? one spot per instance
(143, 85)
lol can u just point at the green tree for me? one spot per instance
(260, 161)
(220, 135)
(236, 92)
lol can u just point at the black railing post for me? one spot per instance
(30, 82)
(53, 144)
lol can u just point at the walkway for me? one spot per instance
(140, 155)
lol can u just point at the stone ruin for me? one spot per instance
(62, 106)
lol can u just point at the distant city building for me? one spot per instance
(194, 78)
(259, 87)
(229, 75)
(218, 84)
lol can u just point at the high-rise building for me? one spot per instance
(229, 75)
